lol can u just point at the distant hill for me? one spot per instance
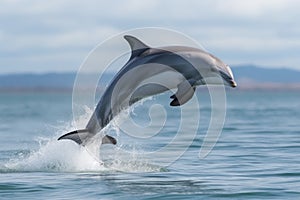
(266, 75)
(246, 76)
(47, 81)
(253, 77)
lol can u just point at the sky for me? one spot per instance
(56, 36)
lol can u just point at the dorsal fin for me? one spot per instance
(137, 46)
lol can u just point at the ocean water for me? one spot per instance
(256, 157)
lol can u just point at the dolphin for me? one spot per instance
(150, 71)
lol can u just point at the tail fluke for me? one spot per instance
(81, 136)
(77, 136)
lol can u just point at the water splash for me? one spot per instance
(66, 156)
(55, 156)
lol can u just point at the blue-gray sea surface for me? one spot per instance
(256, 156)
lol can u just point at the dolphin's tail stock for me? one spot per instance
(82, 136)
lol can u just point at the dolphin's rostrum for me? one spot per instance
(148, 72)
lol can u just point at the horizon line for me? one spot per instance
(110, 71)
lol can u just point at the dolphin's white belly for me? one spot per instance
(168, 79)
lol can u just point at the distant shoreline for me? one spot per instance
(248, 77)
(241, 87)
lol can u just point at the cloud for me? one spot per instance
(55, 35)
(253, 8)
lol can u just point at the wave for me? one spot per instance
(66, 156)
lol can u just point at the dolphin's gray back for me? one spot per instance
(148, 64)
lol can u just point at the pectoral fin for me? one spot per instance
(185, 92)
(108, 140)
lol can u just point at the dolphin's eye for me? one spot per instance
(223, 74)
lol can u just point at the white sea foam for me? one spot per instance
(66, 156)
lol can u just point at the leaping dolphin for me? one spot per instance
(148, 72)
